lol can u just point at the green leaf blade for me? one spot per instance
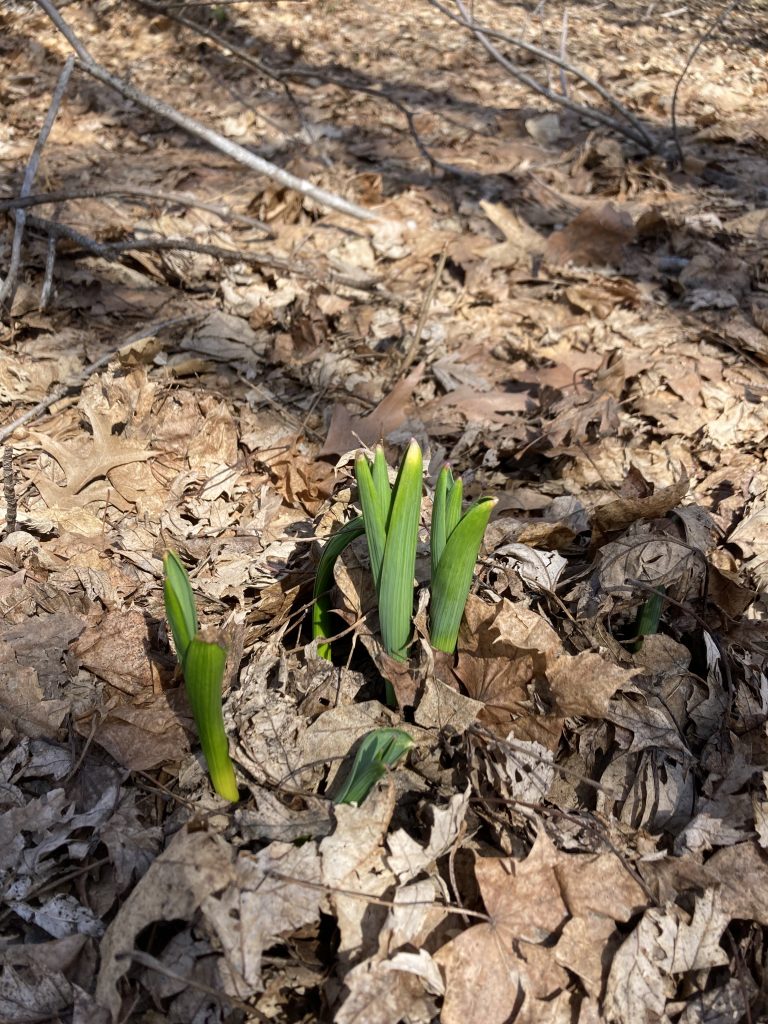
(380, 750)
(322, 625)
(399, 563)
(203, 666)
(380, 474)
(452, 581)
(179, 603)
(375, 530)
(438, 533)
(453, 507)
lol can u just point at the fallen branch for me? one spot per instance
(9, 285)
(297, 73)
(691, 57)
(634, 130)
(138, 192)
(112, 250)
(200, 131)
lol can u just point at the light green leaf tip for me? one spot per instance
(380, 750)
(398, 567)
(179, 603)
(452, 581)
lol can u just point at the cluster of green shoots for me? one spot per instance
(203, 664)
(390, 520)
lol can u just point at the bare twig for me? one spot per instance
(563, 52)
(50, 263)
(80, 378)
(416, 337)
(221, 997)
(112, 250)
(691, 57)
(299, 73)
(201, 131)
(225, 44)
(138, 191)
(635, 131)
(9, 285)
(9, 491)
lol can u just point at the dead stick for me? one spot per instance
(9, 286)
(691, 57)
(636, 132)
(200, 131)
(140, 192)
(9, 491)
(416, 338)
(111, 250)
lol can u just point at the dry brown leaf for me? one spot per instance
(380, 995)
(273, 894)
(582, 684)
(117, 650)
(596, 236)
(84, 465)
(139, 737)
(617, 515)
(347, 431)
(485, 966)
(355, 859)
(194, 867)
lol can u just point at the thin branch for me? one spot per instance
(225, 44)
(50, 264)
(297, 73)
(691, 57)
(9, 286)
(9, 491)
(636, 132)
(112, 250)
(201, 131)
(80, 378)
(130, 191)
(425, 307)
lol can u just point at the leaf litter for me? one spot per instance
(579, 831)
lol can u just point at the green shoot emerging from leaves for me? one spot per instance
(202, 663)
(379, 751)
(390, 521)
(455, 541)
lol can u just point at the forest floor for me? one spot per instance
(578, 323)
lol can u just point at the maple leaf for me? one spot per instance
(488, 965)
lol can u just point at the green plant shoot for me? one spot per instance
(649, 617)
(392, 531)
(455, 541)
(322, 615)
(380, 750)
(390, 521)
(202, 663)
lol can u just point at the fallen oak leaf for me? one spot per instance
(83, 466)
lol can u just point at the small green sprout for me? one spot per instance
(202, 663)
(455, 541)
(648, 618)
(390, 521)
(380, 750)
